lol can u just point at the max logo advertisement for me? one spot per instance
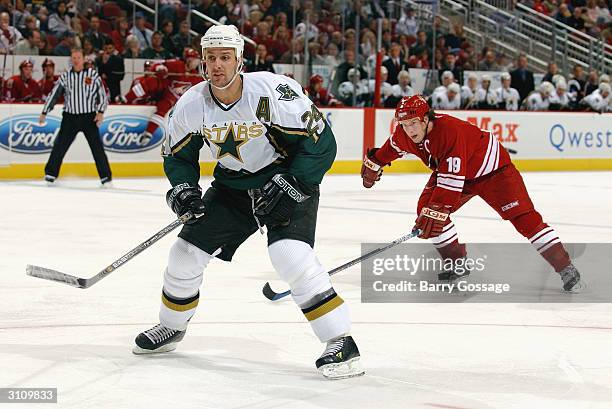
(503, 131)
(119, 133)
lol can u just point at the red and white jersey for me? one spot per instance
(18, 89)
(455, 149)
(179, 80)
(46, 85)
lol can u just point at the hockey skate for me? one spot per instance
(572, 283)
(157, 340)
(451, 274)
(50, 180)
(340, 359)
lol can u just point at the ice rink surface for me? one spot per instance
(242, 351)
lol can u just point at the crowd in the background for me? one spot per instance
(589, 16)
(323, 31)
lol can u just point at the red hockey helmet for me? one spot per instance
(190, 53)
(148, 65)
(316, 79)
(160, 70)
(48, 62)
(415, 106)
(26, 63)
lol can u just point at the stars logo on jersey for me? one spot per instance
(229, 146)
(287, 94)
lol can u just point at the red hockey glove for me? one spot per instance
(371, 169)
(432, 219)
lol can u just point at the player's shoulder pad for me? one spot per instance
(191, 104)
(284, 90)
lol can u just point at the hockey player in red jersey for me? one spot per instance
(466, 161)
(47, 82)
(319, 95)
(22, 88)
(171, 80)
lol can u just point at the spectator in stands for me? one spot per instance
(132, 47)
(296, 53)
(261, 62)
(368, 43)
(120, 34)
(551, 71)
(442, 47)
(420, 43)
(419, 60)
(522, 78)
(181, 39)
(564, 15)
(592, 82)
(156, 51)
(97, 38)
(489, 62)
(111, 68)
(59, 22)
(455, 39)
(314, 53)
(577, 21)
(395, 64)
(449, 64)
(142, 33)
(89, 53)
(167, 30)
(65, 44)
(31, 23)
(43, 19)
(77, 29)
(9, 35)
(348, 63)
(44, 48)
(330, 58)
(281, 42)
(29, 44)
(168, 9)
(407, 24)
(219, 10)
(19, 16)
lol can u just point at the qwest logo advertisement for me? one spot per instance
(119, 133)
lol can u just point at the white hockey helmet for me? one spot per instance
(454, 87)
(557, 77)
(353, 73)
(604, 87)
(448, 75)
(546, 88)
(384, 70)
(485, 77)
(604, 78)
(505, 76)
(561, 84)
(223, 36)
(472, 76)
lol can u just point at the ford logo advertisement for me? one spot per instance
(119, 133)
(21, 133)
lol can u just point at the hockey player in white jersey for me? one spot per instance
(273, 147)
(402, 88)
(486, 97)
(468, 92)
(559, 100)
(354, 86)
(539, 100)
(451, 99)
(447, 78)
(599, 100)
(507, 97)
(385, 88)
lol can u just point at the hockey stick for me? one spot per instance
(60, 277)
(271, 295)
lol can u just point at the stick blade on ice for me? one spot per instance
(57, 276)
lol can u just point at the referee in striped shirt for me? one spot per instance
(85, 103)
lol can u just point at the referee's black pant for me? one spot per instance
(71, 125)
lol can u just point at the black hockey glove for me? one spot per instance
(185, 198)
(275, 202)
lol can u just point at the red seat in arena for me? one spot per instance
(111, 10)
(105, 26)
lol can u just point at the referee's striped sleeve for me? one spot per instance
(102, 98)
(53, 97)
